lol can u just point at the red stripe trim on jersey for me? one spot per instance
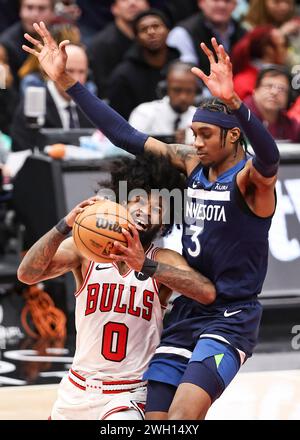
(76, 384)
(114, 410)
(150, 248)
(78, 375)
(86, 278)
(122, 382)
(154, 252)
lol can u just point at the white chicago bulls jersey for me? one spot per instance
(118, 321)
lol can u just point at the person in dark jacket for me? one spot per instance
(136, 79)
(214, 20)
(109, 46)
(61, 111)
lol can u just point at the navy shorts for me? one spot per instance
(205, 346)
(212, 366)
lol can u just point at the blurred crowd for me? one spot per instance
(137, 55)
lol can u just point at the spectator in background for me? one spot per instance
(172, 115)
(11, 39)
(178, 10)
(61, 111)
(273, 12)
(108, 47)
(214, 19)
(9, 13)
(95, 15)
(270, 101)
(263, 47)
(67, 11)
(135, 80)
(280, 14)
(8, 94)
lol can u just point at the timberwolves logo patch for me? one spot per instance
(140, 276)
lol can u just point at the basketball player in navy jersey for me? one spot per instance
(228, 212)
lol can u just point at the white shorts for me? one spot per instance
(76, 403)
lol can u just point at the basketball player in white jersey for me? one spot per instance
(118, 312)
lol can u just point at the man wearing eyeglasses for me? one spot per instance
(270, 101)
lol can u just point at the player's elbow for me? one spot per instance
(24, 276)
(210, 295)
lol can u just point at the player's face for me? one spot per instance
(148, 213)
(208, 144)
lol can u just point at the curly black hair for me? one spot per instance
(148, 172)
(216, 105)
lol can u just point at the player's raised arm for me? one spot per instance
(220, 84)
(53, 57)
(53, 255)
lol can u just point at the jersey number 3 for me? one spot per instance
(197, 230)
(114, 341)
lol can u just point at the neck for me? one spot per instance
(216, 171)
(157, 58)
(125, 27)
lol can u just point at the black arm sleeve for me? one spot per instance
(115, 128)
(267, 156)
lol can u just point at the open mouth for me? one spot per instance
(140, 225)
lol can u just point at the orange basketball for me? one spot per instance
(97, 227)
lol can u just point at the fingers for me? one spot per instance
(30, 50)
(34, 41)
(116, 257)
(134, 232)
(62, 46)
(44, 33)
(208, 53)
(127, 235)
(198, 72)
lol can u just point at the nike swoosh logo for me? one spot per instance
(227, 314)
(194, 185)
(101, 268)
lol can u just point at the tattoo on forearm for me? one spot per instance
(40, 255)
(190, 283)
(183, 152)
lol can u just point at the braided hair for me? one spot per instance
(216, 105)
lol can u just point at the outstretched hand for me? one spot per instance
(220, 80)
(52, 57)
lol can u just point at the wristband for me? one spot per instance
(63, 227)
(149, 267)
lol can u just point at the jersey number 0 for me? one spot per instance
(114, 341)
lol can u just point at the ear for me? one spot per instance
(235, 134)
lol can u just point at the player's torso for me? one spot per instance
(118, 322)
(222, 238)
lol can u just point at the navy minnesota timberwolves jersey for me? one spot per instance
(223, 238)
